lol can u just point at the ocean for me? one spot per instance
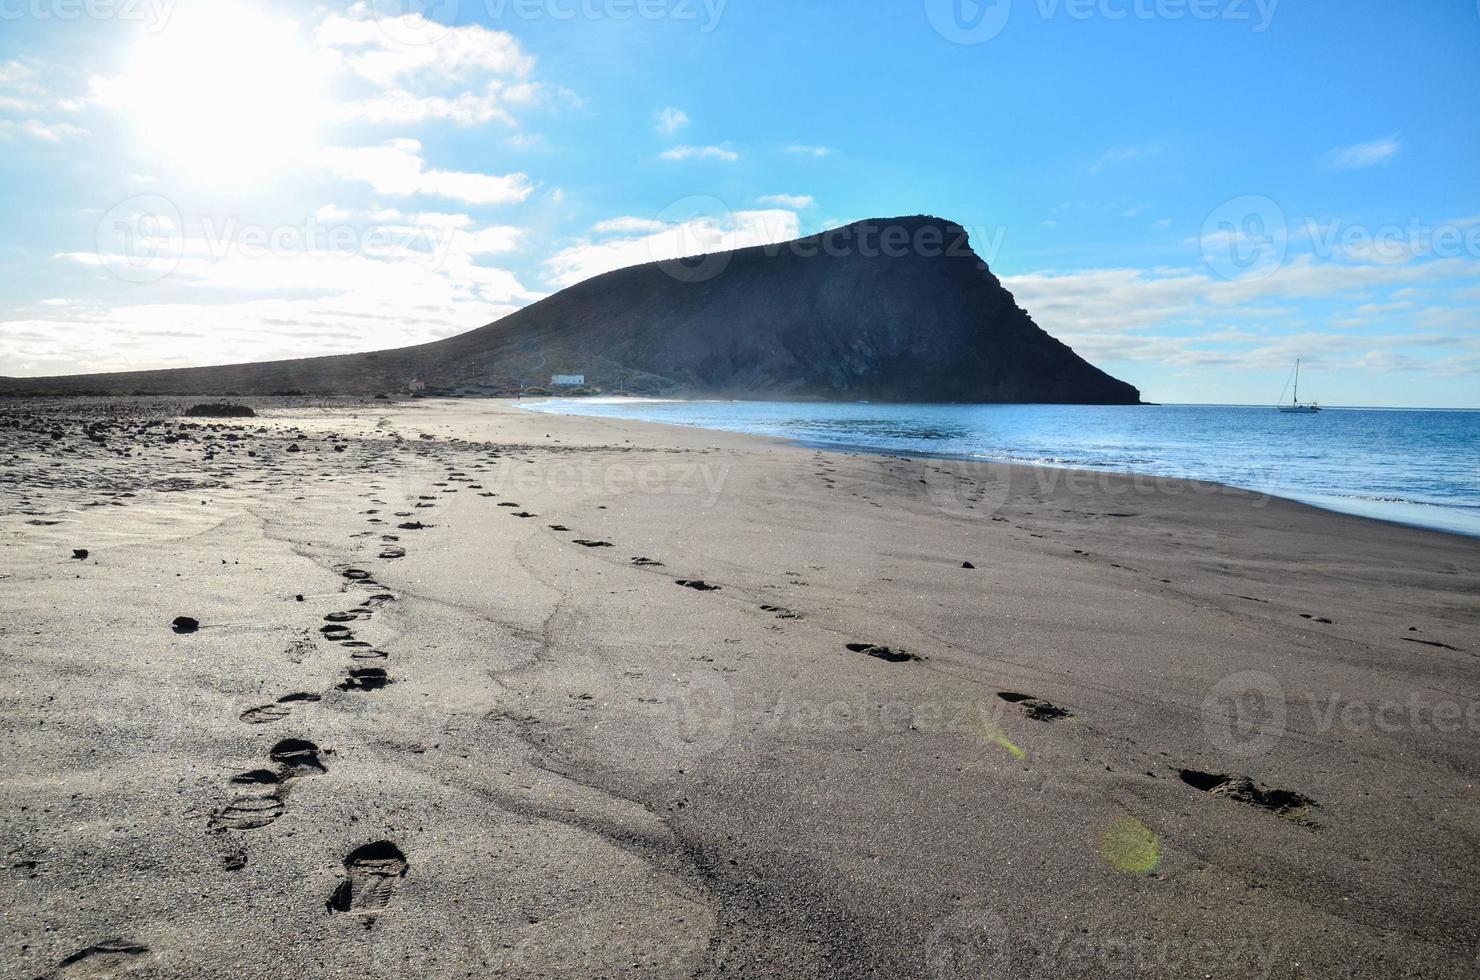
(1417, 466)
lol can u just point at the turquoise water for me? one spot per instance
(1415, 467)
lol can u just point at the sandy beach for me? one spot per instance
(449, 689)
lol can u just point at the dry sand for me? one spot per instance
(1239, 736)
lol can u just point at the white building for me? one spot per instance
(567, 380)
(416, 386)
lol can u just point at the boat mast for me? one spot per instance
(1296, 399)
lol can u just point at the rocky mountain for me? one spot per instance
(895, 309)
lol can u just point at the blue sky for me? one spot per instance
(1191, 193)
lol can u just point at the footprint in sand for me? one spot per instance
(593, 544)
(277, 711)
(297, 757)
(1242, 789)
(263, 803)
(108, 958)
(365, 679)
(371, 874)
(248, 812)
(890, 654)
(1035, 708)
(697, 584)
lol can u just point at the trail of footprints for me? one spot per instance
(261, 794)
(373, 871)
(1239, 789)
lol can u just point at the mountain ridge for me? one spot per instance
(894, 309)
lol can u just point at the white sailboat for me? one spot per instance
(1296, 405)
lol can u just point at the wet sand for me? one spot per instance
(474, 692)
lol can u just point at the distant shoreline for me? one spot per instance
(1404, 513)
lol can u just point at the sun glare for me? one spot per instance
(225, 93)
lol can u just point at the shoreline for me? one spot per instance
(1447, 520)
(669, 701)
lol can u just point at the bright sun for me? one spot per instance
(225, 93)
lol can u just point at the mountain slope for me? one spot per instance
(890, 310)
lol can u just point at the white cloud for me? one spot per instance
(333, 214)
(803, 150)
(627, 226)
(400, 279)
(641, 240)
(19, 90)
(15, 72)
(403, 107)
(487, 241)
(1366, 154)
(45, 132)
(671, 120)
(370, 48)
(700, 153)
(1188, 317)
(796, 202)
(396, 167)
(1125, 154)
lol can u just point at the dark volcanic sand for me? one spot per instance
(697, 704)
